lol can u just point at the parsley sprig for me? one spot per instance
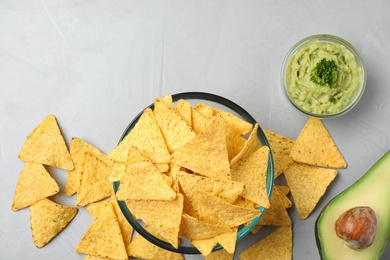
(324, 73)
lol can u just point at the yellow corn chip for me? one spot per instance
(235, 144)
(276, 215)
(167, 100)
(162, 167)
(252, 171)
(174, 129)
(281, 147)
(48, 219)
(78, 148)
(142, 248)
(183, 108)
(277, 245)
(228, 240)
(94, 184)
(146, 137)
(103, 237)
(227, 190)
(213, 210)
(200, 122)
(219, 255)
(243, 202)
(315, 146)
(308, 184)
(206, 154)
(144, 181)
(117, 171)
(194, 229)
(249, 147)
(283, 191)
(236, 125)
(205, 246)
(163, 216)
(34, 184)
(204, 109)
(46, 145)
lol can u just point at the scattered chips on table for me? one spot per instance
(48, 219)
(34, 184)
(46, 145)
(308, 184)
(315, 146)
(103, 237)
(276, 245)
(281, 147)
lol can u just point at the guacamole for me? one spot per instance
(322, 78)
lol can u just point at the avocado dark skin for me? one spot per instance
(371, 191)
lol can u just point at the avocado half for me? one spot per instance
(372, 190)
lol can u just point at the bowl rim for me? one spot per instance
(331, 39)
(269, 184)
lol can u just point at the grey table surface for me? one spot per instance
(96, 64)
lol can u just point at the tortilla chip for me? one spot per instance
(78, 148)
(164, 216)
(194, 229)
(281, 147)
(206, 154)
(228, 240)
(48, 219)
(215, 211)
(277, 214)
(219, 255)
(234, 144)
(277, 245)
(200, 122)
(174, 129)
(283, 191)
(162, 167)
(249, 147)
(226, 190)
(46, 145)
(252, 171)
(143, 181)
(34, 184)
(204, 109)
(308, 184)
(94, 184)
(118, 169)
(103, 237)
(146, 137)
(183, 108)
(125, 227)
(236, 125)
(315, 146)
(167, 100)
(205, 246)
(142, 248)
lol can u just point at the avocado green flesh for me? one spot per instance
(372, 190)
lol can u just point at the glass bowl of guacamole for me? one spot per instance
(323, 76)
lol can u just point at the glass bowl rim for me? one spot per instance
(331, 39)
(270, 173)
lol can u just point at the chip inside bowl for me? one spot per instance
(208, 171)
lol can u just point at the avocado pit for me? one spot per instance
(357, 227)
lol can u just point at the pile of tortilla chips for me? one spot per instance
(191, 172)
(308, 165)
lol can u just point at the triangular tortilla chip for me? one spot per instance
(227, 190)
(174, 129)
(213, 210)
(249, 147)
(281, 147)
(78, 148)
(206, 154)
(48, 219)
(277, 214)
(46, 145)
(315, 146)
(194, 229)
(103, 237)
(277, 245)
(34, 184)
(200, 122)
(183, 108)
(228, 240)
(146, 137)
(94, 184)
(219, 255)
(167, 222)
(252, 171)
(308, 184)
(143, 181)
(205, 246)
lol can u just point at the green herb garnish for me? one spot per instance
(324, 73)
